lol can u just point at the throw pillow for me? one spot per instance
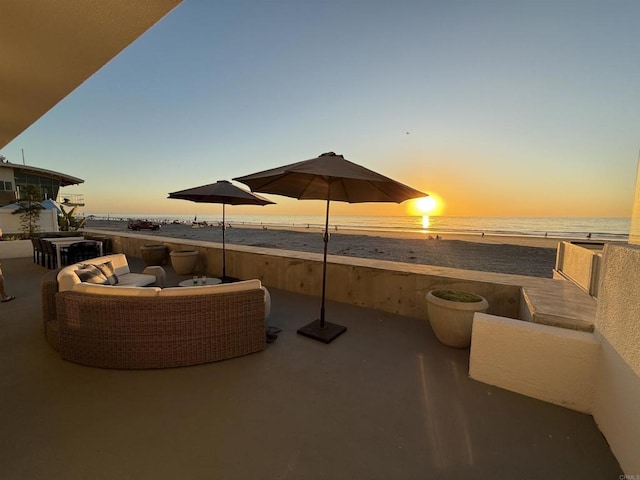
(91, 274)
(109, 272)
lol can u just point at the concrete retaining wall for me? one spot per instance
(580, 265)
(552, 364)
(388, 286)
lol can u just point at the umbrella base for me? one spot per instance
(229, 279)
(326, 334)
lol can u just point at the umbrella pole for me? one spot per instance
(324, 264)
(224, 265)
(320, 330)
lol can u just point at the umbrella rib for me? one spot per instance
(377, 187)
(346, 191)
(384, 193)
(311, 179)
(264, 186)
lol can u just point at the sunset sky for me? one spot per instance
(496, 108)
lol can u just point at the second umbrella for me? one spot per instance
(223, 192)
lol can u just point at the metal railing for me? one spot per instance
(71, 199)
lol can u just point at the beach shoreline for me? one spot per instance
(522, 240)
(492, 238)
(602, 229)
(519, 255)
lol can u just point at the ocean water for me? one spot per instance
(553, 227)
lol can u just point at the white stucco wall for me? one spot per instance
(16, 249)
(634, 233)
(10, 224)
(552, 364)
(616, 406)
(618, 312)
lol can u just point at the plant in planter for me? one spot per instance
(451, 315)
(68, 221)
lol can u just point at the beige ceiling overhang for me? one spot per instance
(48, 48)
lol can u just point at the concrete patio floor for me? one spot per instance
(383, 401)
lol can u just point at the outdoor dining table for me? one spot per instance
(61, 242)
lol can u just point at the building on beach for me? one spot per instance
(15, 177)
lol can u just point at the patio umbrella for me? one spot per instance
(328, 177)
(223, 192)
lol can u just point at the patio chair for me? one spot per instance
(78, 251)
(37, 250)
(49, 253)
(107, 244)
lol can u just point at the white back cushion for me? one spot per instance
(67, 278)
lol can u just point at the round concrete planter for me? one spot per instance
(153, 255)
(184, 261)
(451, 320)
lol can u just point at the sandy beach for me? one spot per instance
(531, 256)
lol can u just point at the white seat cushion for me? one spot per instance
(135, 280)
(211, 289)
(93, 288)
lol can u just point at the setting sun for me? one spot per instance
(426, 204)
(431, 205)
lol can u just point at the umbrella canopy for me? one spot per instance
(328, 177)
(223, 192)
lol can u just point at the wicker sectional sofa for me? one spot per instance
(131, 327)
